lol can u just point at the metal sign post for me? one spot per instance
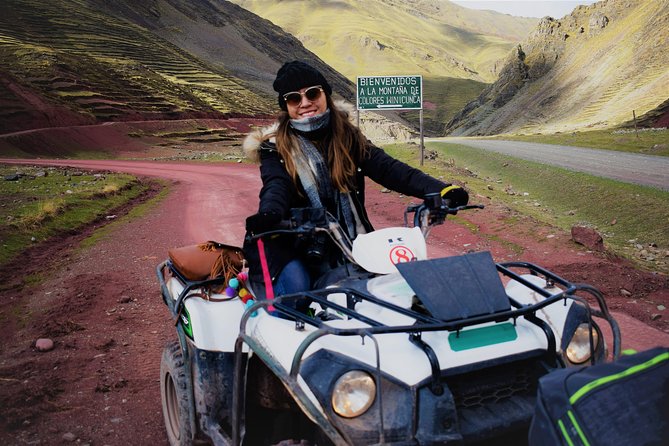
(392, 93)
(422, 146)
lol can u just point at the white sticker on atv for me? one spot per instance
(379, 251)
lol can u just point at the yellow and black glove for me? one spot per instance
(454, 196)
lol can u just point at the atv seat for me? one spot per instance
(458, 287)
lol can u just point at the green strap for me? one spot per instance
(607, 379)
(578, 428)
(570, 434)
(564, 433)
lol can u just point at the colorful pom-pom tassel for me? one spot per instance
(230, 292)
(233, 283)
(247, 305)
(243, 276)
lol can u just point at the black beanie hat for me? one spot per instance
(295, 75)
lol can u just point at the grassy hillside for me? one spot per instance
(377, 37)
(457, 50)
(591, 69)
(225, 36)
(73, 56)
(71, 62)
(443, 97)
(68, 62)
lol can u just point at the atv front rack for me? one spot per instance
(426, 322)
(423, 323)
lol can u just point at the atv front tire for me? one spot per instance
(174, 397)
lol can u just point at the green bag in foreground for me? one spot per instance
(625, 402)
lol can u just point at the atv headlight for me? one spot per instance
(353, 393)
(578, 350)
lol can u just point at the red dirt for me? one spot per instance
(102, 306)
(111, 137)
(37, 111)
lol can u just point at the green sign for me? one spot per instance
(390, 92)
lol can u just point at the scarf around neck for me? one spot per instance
(314, 173)
(312, 123)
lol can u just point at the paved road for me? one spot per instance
(647, 170)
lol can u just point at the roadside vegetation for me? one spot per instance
(632, 219)
(649, 141)
(37, 203)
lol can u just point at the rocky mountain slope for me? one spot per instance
(224, 35)
(434, 38)
(457, 50)
(68, 62)
(590, 69)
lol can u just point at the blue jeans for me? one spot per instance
(294, 278)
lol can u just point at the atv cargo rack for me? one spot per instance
(486, 283)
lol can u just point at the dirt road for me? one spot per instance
(102, 307)
(647, 170)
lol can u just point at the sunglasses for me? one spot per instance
(294, 98)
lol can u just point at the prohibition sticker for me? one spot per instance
(401, 254)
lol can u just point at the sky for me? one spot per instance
(527, 8)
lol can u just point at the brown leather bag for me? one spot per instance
(207, 260)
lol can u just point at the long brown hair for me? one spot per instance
(346, 146)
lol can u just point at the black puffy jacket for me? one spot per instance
(279, 194)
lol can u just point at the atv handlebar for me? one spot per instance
(433, 211)
(304, 221)
(301, 221)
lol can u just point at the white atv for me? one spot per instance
(396, 349)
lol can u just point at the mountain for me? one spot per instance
(68, 62)
(435, 38)
(591, 69)
(226, 36)
(457, 50)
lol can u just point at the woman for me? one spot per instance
(315, 157)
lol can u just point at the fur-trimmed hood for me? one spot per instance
(254, 140)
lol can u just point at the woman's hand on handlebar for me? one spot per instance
(438, 206)
(454, 196)
(263, 222)
(300, 221)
